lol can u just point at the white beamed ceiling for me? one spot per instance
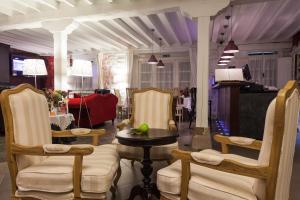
(269, 21)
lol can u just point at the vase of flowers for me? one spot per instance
(55, 97)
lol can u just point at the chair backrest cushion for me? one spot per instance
(152, 107)
(287, 149)
(31, 123)
(288, 146)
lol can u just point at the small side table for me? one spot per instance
(154, 137)
(62, 122)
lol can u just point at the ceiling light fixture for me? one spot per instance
(227, 55)
(160, 63)
(152, 60)
(231, 46)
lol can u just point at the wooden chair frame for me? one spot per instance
(268, 173)
(13, 149)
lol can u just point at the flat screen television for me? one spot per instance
(246, 72)
(17, 65)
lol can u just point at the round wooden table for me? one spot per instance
(154, 137)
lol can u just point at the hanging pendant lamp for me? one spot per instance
(160, 63)
(227, 55)
(224, 60)
(152, 60)
(231, 46)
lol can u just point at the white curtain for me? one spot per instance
(130, 64)
(263, 69)
(100, 70)
(193, 62)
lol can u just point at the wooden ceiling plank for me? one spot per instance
(272, 18)
(159, 27)
(6, 4)
(184, 27)
(119, 33)
(29, 4)
(131, 32)
(6, 11)
(91, 29)
(168, 26)
(92, 40)
(50, 3)
(71, 3)
(147, 32)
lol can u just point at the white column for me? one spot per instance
(60, 30)
(60, 60)
(202, 71)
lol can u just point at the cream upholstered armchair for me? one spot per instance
(154, 107)
(42, 170)
(208, 174)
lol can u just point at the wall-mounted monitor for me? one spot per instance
(17, 65)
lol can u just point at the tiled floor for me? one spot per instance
(132, 175)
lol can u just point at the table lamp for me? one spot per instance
(34, 67)
(82, 68)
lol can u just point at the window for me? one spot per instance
(175, 74)
(146, 75)
(165, 76)
(184, 74)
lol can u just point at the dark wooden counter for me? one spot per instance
(242, 112)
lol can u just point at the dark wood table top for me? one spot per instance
(154, 137)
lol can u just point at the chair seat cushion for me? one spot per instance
(162, 152)
(207, 183)
(54, 174)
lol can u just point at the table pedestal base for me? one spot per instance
(144, 193)
(148, 189)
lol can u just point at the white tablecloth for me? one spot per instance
(62, 120)
(187, 103)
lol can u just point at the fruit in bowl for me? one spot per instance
(143, 128)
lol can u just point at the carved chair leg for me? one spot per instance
(119, 172)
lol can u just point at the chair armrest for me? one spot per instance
(124, 123)
(237, 141)
(78, 150)
(95, 133)
(172, 125)
(218, 162)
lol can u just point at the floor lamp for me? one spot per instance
(82, 68)
(34, 67)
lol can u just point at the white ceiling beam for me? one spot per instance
(11, 40)
(287, 25)
(160, 27)
(119, 33)
(130, 31)
(29, 38)
(6, 4)
(71, 3)
(184, 26)
(168, 26)
(89, 2)
(29, 4)
(6, 11)
(50, 3)
(94, 40)
(94, 31)
(145, 30)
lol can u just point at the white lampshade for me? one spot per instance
(34, 67)
(82, 68)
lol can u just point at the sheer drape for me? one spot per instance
(263, 69)
(193, 63)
